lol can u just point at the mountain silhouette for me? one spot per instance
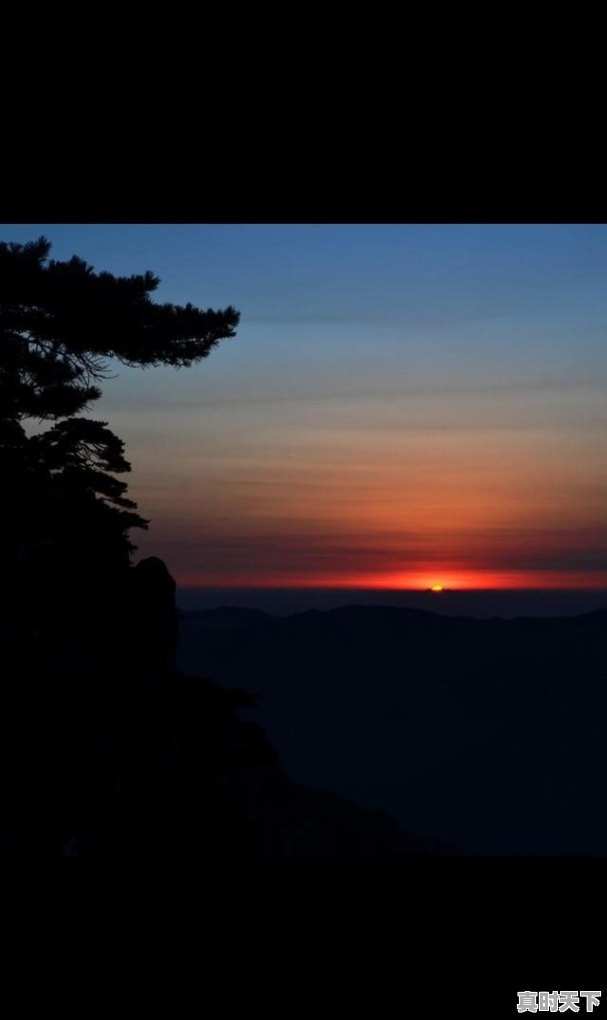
(484, 735)
(136, 759)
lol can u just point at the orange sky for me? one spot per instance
(346, 502)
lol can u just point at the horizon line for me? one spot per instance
(376, 588)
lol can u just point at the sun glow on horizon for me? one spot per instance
(474, 580)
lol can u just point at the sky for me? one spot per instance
(403, 405)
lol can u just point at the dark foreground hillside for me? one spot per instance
(109, 752)
(488, 736)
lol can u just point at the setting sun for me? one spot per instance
(436, 587)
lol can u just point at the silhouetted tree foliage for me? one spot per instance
(60, 325)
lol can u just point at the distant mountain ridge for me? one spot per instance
(481, 604)
(237, 616)
(227, 616)
(482, 733)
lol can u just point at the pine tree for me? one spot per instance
(60, 325)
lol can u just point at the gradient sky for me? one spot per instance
(402, 406)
